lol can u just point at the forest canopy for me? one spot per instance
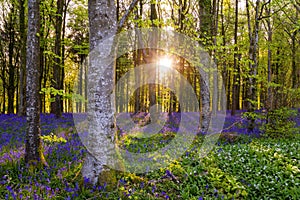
(255, 45)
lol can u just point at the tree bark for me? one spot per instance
(102, 23)
(235, 95)
(11, 65)
(205, 10)
(56, 81)
(22, 86)
(205, 20)
(33, 144)
(153, 53)
(269, 102)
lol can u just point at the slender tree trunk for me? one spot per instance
(225, 74)
(11, 67)
(205, 104)
(22, 86)
(65, 7)
(215, 24)
(269, 102)
(153, 52)
(42, 80)
(294, 64)
(4, 90)
(205, 10)
(56, 81)
(33, 144)
(80, 85)
(235, 94)
(253, 51)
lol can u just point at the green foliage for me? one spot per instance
(279, 123)
(263, 166)
(255, 170)
(51, 138)
(54, 92)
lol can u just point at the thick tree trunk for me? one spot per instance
(102, 23)
(33, 148)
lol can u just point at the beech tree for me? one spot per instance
(102, 24)
(33, 131)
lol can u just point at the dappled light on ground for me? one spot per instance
(248, 167)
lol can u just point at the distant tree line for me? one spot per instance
(255, 44)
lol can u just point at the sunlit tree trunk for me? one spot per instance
(205, 10)
(102, 23)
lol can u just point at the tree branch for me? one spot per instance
(267, 16)
(297, 5)
(262, 9)
(126, 15)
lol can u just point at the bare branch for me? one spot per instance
(262, 8)
(126, 15)
(268, 16)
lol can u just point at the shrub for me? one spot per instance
(279, 123)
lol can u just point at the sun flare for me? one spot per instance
(165, 62)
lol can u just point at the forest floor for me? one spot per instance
(246, 166)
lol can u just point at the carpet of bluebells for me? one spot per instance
(251, 167)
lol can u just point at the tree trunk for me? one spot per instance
(4, 90)
(205, 21)
(205, 104)
(214, 31)
(235, 94)
(253, 50)
(102, 23)
(33, 131)
(153, 53)
(22, 86)
(269, 102)
(294, 64)
(56, 83)
(11, 67)
(205, 10)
